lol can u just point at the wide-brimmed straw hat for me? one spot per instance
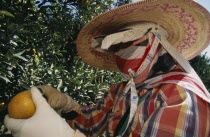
(187, 23)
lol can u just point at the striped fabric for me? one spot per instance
(136, 52)
(177, 105)
(168, 111)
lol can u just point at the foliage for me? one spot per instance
(122, 2)
(37, 46)
(201, 64)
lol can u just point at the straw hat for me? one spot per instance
(187, 23)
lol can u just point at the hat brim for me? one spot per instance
(187, 23)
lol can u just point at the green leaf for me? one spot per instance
(60, 84)
(3, 12)
(21, 57)
(13, 43)
(9, 54)
(24, 32)
(18, 55)
(12, 26)
(6, 79)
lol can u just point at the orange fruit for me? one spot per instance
(21, 106)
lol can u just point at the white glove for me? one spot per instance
(44, 123)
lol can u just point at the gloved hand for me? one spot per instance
(58, 100)
(44, 123)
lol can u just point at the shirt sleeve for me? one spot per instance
(92, 121)
(175, 111)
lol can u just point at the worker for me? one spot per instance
(149, 42)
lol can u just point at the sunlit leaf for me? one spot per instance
(19, 53)
(2, 12)
(20, 57)
(5, 78)
(60, 84)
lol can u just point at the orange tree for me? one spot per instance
(201, 64)
(37, 46)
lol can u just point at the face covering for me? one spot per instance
(139, 57)
(131, 57)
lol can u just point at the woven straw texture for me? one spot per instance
(187, 23)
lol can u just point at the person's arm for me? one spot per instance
(93, 119)
(90, 120)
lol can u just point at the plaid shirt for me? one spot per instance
(168, 111)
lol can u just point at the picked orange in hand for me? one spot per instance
(21, 106)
